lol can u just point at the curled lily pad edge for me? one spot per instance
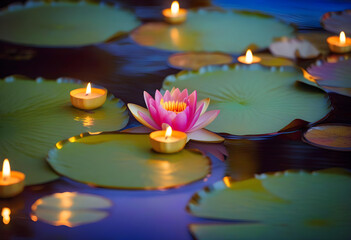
(227, 182)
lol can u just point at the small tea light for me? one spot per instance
(249, 58)
(339, 44)
(11, 182)
(174, 15)
(88, 98)
(168, 141)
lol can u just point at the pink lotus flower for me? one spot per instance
(179, 110)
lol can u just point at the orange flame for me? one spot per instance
(248, 57)
(88, 91)
(175, 8)
(168, 132)
(6, 170)
(342, 37)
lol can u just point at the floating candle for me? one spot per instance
(249, 58)
(11, 182)
(88, 98)
(168, 141)
(339, 44)
(174, 15)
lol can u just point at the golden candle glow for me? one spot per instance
(5, 213)
(11, 182)
(342, 37)
(168, 132)
(6, 170)
(88, 98)
(339, 44)
(168, 141)
(175, 8)
(88, 91)
(248, 56)
(174, 14)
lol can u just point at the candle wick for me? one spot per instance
(166, 137)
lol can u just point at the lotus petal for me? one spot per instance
(203, 135)
(254, 100)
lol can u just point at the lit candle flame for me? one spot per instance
(175, 8)
(5, 213)
(168, 132)
(88, 91)
(6, 170)
(342, 37)
(248, 57)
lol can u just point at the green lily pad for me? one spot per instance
(70, 209)
(304, 204)
(212, 30)
(34, 115)
(253, 99)
(64, 23)
(272, 232)
(127, 162)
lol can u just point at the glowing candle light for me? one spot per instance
(6, 170)
(88, 98)
(5, 213)
(168, 132)
(249, 58)
(88, 89)
(11, 182)
(175, 14)
(175, 8)
(168, 141)
(342, 37)
(339, 44)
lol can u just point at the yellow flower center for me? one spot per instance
(173, 106)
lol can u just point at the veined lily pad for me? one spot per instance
(70, 209)
(196, 60)
(127, 162)
(333, 76)
(34, 115)
(63, 23)
(331, 136)
(308, 205)
(337, 21)
(253, 99)
(211, 30)
(269, 60)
